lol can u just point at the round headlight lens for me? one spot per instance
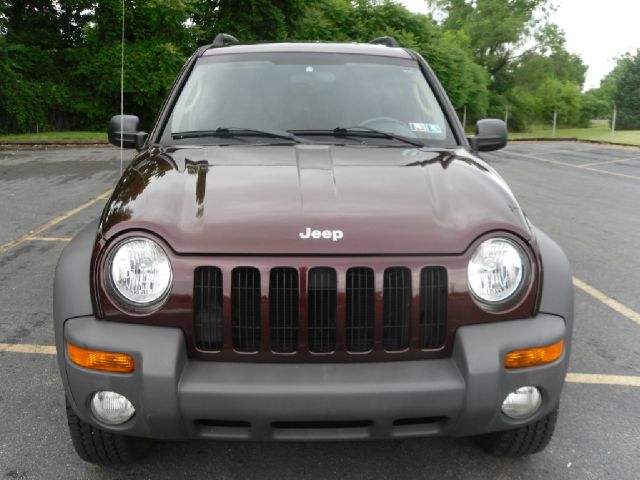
(140, 272)
(496, 270)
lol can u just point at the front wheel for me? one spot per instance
(99, 446)
(525, 440)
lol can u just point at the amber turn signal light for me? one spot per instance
(99, 360)
(530, 357)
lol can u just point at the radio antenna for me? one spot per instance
(122, 90)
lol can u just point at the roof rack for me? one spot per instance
(388, 41)
(223, 39)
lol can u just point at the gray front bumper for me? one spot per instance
(179, 398)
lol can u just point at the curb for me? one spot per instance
(54, 145)
(50, 145)
(572, 139)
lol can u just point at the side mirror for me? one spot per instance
(126, 126)
(491, 134)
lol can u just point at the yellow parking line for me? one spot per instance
(624, 380)
(608, 301)
(28, 348)
(33, 233)
(49, 239)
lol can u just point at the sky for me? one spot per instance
(597, 30)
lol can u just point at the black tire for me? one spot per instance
(521, 441)
(105, 448)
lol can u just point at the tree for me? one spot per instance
(494, 29)
(532, 73)
(35, 36)
(249, 20)
(60, 59)
(626, 93)
(53, 24)
(595, 105)
(157, 43)
(541, 83)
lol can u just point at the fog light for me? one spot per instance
(522, 403)
(111, 407)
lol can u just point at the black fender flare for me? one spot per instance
(557, 281)
(72, 287)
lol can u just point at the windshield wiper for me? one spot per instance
(236, 132)
(353, 131)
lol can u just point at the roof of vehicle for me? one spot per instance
(312, 47)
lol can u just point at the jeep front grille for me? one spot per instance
(299, 313)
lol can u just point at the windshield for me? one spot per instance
(324, 95)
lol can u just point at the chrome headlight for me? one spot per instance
(139, 273)
(497, 271)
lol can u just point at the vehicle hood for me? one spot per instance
(259, 199)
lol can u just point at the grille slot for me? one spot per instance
(360, 309)
(397, 308)
(207, 303)
(245, 308)
(283, 309)
(309, 425)
(433, 306)
(322, 306)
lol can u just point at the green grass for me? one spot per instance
(56, 137)
(600, 133)
(597, 132)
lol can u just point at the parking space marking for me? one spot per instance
(36, 231)
(540, 159)
(581, 167)
(552, 152)
(589, 378)
(49, 239)
(28, 348)
(608, 301)
(624, 380)
(620, 160)
(606, 172)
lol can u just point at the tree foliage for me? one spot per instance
(620, 88)
(626, 92)
(493, 29)
(60, 59)
(596, 105)
(533, 76)
(250, 20)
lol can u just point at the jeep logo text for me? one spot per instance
(335, 235)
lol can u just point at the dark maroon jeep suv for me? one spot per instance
(308, 248)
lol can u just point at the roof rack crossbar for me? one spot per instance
(223, 39)
(388, 41)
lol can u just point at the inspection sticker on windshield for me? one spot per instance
(425, 127)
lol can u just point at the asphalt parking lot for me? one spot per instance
(586, 196)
